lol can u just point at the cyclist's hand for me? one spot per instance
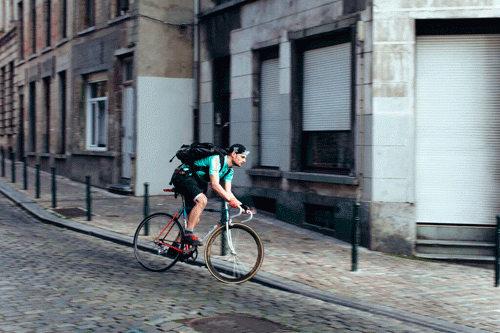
(234, 203)
(246, 209)
(249, 210)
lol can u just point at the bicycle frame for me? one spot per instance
(225, 219)
(233, 252)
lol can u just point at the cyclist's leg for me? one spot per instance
(193, 191)
(198, 208)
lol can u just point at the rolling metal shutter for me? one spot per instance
(457, 129)
(327, 89)
(270, 147)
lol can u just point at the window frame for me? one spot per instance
(93, 122)
(122, 7)
(265, 54)
(64, 19)
(88, 17)
(20, 24)
(300, 152)
(47, 22)
(33, 26)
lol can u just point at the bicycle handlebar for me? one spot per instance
(241, 212)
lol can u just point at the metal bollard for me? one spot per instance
(146, 200)
(3, 161)
(13, 166)
(54, 190)
(497, 253)
(146, 207)
(89, 199)
(355, 237)
(25, 174)
(37, 181)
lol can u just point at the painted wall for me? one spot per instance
(164, 123)
(391, 182)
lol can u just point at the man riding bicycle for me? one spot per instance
(193, 184)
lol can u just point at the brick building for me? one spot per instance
(9, 53)
(98, 83)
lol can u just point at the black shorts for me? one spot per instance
(189, 186)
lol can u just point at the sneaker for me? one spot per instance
(191, 239)
(171, 252)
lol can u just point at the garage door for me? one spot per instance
(457, 129)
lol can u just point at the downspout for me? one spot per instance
(196, 73)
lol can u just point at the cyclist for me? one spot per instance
(193, 184)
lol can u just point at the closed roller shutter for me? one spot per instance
(327, 89)
(270, 109)
(458, 129)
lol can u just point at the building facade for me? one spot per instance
(99, 88)
(389, 103)
(9, 53)
(289, 80)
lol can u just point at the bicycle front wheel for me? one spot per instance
(234, 255)
(153, 242)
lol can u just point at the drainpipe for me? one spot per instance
(196, 73)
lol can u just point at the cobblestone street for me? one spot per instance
(56, 280)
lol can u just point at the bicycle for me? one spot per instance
(233, 252)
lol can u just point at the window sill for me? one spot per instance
(47, 49)
(265, 173)
(321, 178)
(86, 31)
(62, 41)
(95, 153)
(118, 19)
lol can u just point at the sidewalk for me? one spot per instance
(445, 297)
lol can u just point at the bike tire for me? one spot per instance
(152, 239)
(239, 266)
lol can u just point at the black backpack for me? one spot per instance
(188, 154)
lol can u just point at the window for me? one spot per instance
(270, 117)
(89, 14)
(64, 18)
(47, 19)
(32, 117)
(11, 98)
(21, 29)
(122, 7)
(327, 107)
(62, 107)
(97, 114)
(46, 135)
(128, 70)
(33, 26)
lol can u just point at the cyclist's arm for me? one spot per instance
(215, 182)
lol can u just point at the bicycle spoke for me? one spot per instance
(235, 255)
(153, 242)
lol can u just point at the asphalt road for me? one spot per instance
(56, 280)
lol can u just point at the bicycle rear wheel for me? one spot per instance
(234, 256)
(153, 239)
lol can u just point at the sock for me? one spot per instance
(188, 231)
